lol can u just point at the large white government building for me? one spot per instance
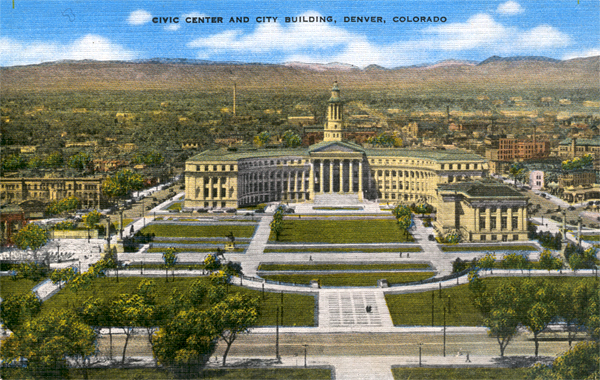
(228, 178)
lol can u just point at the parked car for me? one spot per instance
(431, 238)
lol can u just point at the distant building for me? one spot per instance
(88, 190)
(514, 149)
(579, 186)
(571, 148)
(536, 180)
(12, 219)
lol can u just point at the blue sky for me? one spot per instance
(42, 31)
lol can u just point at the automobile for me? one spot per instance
(571, 208)
(544, 195)
(431, 238)
(289, 211)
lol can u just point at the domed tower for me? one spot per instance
(334, 128)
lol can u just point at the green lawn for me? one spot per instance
(458, 248)
(351, 279)
(178, 266)
(414, 309)
(219, 242)
(342, 231)
(126, 221)
(175, 206)
(10, 287)
(302, 267)
(590, 237)
(162, 374)
(367, 250)
(459, 373)
(337, 208)
(175, 230)
(298, 309)
(158, 250)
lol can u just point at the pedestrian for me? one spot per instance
(400, 254)
(408, 255)
(468, 360)
(310, 258)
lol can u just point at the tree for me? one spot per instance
(211, 262)
(291, 139)
(31, 237)
(64, 205)
(540, 297)
(487, 262)
(233, 316)
(261, 139)
(147, 290)
(277, 223)
(170, 259)
(479, 294)
(186, 341)
(122, 183)
(503, 319)
(64, 275)
(79, 161)
(515, 260)
(18, 309)
(96, 312)
(516, 170)
(12, 162)
(548, 262)
(47, 341)
(580, 362)
(92, 218)
(127, 312)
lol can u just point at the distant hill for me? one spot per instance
(495, 73)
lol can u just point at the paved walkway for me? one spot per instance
(253, 256)
(346, 310)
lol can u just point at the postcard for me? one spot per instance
(299, 189)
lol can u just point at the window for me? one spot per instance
(515, 222)
(482, 222)
(494, 237)
(493, 224)
(515, 237)
(504, 237)
(482, 237)
(503, 223)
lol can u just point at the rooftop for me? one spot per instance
(592, 142)
(482, 189)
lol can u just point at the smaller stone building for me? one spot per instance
(481, 211)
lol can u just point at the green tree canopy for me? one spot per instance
(31, 236)
(18, 309)
(291, 139)
(122, 183)
(47, 341)
(92, 218)
(262, 139)
(79, 161)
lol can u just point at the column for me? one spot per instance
(330, 176)
(210, 185)
(488, 218)
(499, 218)
(341, 176)
(520, 221)
(477, 219)
(351, 186)
(296, 189)
(509, 219)
(202, 185)
(360, 179)
(321, 187)
(311, 181)
(219, 184)
(303, 184)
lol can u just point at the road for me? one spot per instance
(360, 344)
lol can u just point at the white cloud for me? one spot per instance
(173, 27)
(594, 52)
(510, 8)
(542, 37)
(91, 46)
(478, 31)
(326, 42)
(139, 17)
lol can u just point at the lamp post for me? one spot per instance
(305, 346)
(420, 347)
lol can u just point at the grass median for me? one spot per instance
(414, 309)
(342, 231)
(305, 267)
(333, 249)
(350, 279)
(10, 287)
(298, 308)
(177, 230)
(459, 373)
(459, 248)
(163, 374)
(190, 250)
